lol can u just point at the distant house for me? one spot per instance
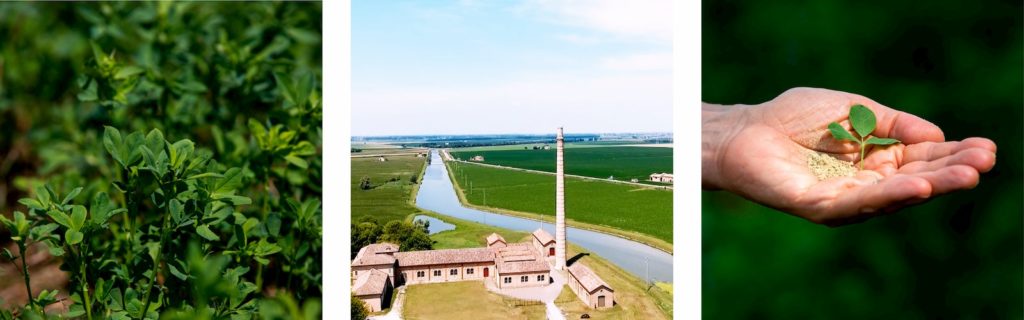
(477, 158)
(547, 147)
(382, 159)
(420, 155)
(661, 177)
(634, 180)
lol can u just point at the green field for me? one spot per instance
(387, 200)
(642, 210)
(623, 163)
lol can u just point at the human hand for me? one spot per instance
(760, 152)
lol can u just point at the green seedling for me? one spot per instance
(863, 122)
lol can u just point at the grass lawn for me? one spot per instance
(458, 300)
(613, 206)
(623, 163)
(387, 200)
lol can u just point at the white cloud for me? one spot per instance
(639, 62)
(647, 20)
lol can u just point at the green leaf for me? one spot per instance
(71, 195)
(881, 141)
(839, 132)
(298, 162)
(231, 181)
(862, 120)
(73, 237)
(78, 214)
(114, 144)
(43, 195)
(192, 86)
(204, 231)
(32, 203)
(60, 218)
(174, 271)
(128, 71)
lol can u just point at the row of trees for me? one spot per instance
(410, 236)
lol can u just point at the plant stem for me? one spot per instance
(862, 145)
(24, 269)
(85, 292)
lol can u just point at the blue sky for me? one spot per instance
(529, 66)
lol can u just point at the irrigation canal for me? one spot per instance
(437, 194)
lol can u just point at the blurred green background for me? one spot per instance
(957, 64)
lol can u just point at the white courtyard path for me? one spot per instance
(546, 294)
(396, 308)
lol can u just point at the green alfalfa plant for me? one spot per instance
(863, 122)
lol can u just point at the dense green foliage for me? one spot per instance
(957, 64)
(409, 236)
(359, 309)
(623, 163)
(168, 153)
(381, 191)
(621, 206)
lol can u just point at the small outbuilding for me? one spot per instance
(496, 241)
(661, 177)
(374, 288)
(590, 288)
(477, 158)
(544, 243)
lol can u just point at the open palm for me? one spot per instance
(766, 160)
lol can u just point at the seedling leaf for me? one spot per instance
(881, 141)
(862, 120)
(839, 132)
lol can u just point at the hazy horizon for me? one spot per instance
(530, 66)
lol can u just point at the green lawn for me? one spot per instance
(643, 210)
(388, 200)
(623, 163)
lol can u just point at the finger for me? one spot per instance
(871, 200)
(977, 158)
(927, 151)
(952, 178)
(908, 128)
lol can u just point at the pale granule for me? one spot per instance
(826, 167)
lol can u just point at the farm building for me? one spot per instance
(544, 242)
(634, 180)
(477, 158)
(594, 292)
(379, 267)
(374, 288)
(382, 159)
(661, 177)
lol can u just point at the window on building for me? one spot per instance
(420, 274)
(469, 271)
(524, 279)
(453, 272)
(540, 277)
(508, 280)
(437, 273)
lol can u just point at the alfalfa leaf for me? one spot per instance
(881, 141)
(204, 231)
(862, 120)
(839, 132)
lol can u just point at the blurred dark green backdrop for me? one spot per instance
(957, 64)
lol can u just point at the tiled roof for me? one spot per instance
(494, 237)
(446, 256)
(543, 236)
(370, 283)
(520, 258)
(587, 277)
(375, 254)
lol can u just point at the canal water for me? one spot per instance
(434, 225)
(438, 194)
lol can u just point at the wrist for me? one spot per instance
(719, 125)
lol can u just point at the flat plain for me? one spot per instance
(389, 198)
(644, 210)
(598, 161)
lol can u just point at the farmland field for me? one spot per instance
(386, 200)
(620, 206)
(623, 163)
